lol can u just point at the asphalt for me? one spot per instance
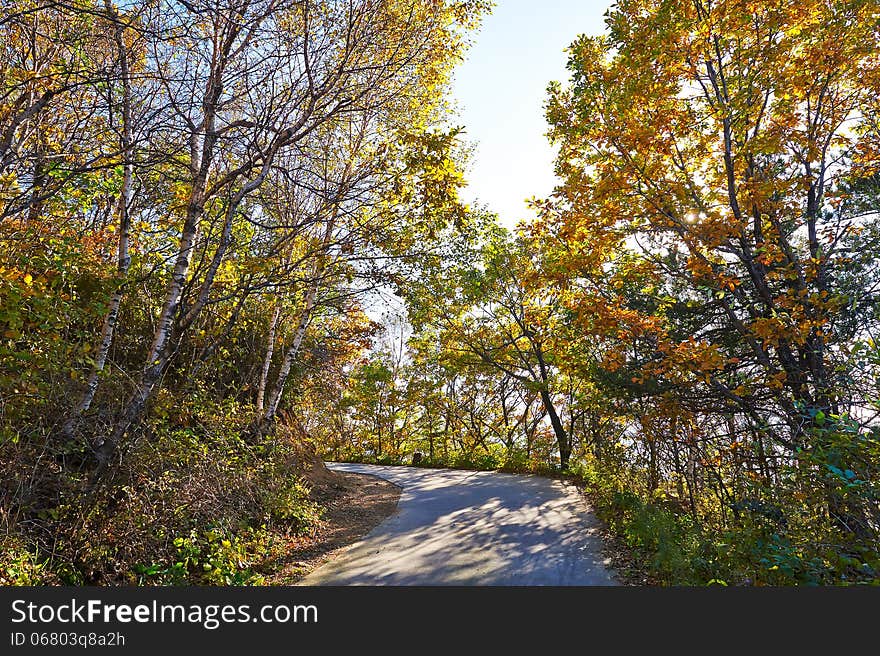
(473, 528)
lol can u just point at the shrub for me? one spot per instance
(195, 502)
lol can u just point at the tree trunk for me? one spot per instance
(653, 474)
(291, 353)
(562, 438)
(158, 354)
(201, 159)
(267, 361)
(123, 260)
(226, 235)
(305, 317)
(558, 429)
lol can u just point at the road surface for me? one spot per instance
(473, 528)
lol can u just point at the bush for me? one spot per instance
(210, 557)
(771, 537)
(478, 461)
(195, 502)
(21, 567)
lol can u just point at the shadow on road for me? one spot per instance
(474, 528)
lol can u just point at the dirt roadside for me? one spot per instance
(355, 504)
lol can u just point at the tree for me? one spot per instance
(732, 166)
(210, 68)
(703, 230)
(487, 313)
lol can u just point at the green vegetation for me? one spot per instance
(194, 503)
(201, 204)
(690, 323)
(196, 200)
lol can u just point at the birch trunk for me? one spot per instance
(226, 236)
(267, 361)
(293, 351)
(158, 354)
(268, 415)
(123, 255)
(203, 139)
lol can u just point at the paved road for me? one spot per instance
(473, 528)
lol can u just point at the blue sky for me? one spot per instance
(500, 90)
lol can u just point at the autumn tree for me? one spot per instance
(209, 64)
(486, 313)
(703, 233)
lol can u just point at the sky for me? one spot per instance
(500, 91)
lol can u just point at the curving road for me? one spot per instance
(473, 528)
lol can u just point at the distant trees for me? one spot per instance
(497, 320)
(480, 382)
(454, 414)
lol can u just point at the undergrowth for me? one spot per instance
(195, 503)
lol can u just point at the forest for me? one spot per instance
(232, 235)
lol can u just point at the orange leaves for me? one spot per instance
(695, 140)
(695, 357)
(700, 269)
(770, 330)
(612, 360)
(684, 363)
(777, 381)
(597, 317)
(769, 254)
(741, 390)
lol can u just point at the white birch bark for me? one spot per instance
(124, 229)
(293, 350)
(267, 361)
